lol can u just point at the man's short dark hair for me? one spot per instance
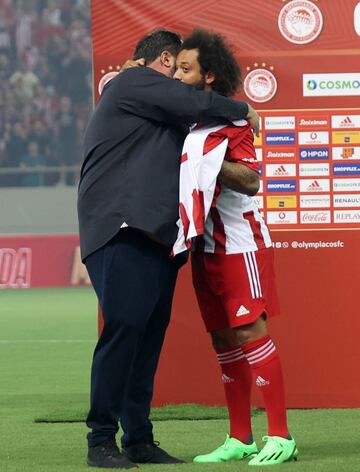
(153, 44)
(216, 56)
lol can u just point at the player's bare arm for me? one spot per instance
(240, 178)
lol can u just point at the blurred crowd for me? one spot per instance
(45, 88)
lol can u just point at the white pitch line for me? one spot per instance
(47, 341)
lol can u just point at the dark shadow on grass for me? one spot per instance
(186, 412)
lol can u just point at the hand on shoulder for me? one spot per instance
(254, 120)
(130, 64)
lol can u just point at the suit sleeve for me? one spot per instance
(149, 94)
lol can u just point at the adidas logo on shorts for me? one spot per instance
(260, 382)
(242, 311)
(226, 379)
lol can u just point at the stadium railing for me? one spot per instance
(52, 175)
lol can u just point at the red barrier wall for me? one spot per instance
(316, 334)
(41, 261)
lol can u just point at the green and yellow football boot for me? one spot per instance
(231, 450)
(275, 451)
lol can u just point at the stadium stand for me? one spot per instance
(45, 90)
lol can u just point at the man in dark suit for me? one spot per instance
(128, 208)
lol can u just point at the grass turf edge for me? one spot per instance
(187, 411)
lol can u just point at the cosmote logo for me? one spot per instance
(106, 76)
(311, 85)
(331, 84)
(260, 84)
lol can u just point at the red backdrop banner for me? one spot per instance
(301, 69)
(41, 261)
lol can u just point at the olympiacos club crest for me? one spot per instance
(105, 79)
(260, 85)
(300, 21)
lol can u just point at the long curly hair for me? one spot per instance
(216, 56)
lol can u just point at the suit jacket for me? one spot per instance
(132, 149)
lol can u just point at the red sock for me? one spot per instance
(265, 364)
(237, 379)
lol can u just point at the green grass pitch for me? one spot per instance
(46, 341)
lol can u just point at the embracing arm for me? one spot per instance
(240, 178)
(145, 92)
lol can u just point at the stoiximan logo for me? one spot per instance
(327, 85)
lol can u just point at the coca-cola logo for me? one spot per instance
(318, 217)
(15, 267)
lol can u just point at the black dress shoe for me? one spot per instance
(107, 455)
(149, 453)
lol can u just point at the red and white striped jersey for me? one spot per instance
(234, 224)
(198, 175)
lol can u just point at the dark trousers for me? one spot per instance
(134, 279)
